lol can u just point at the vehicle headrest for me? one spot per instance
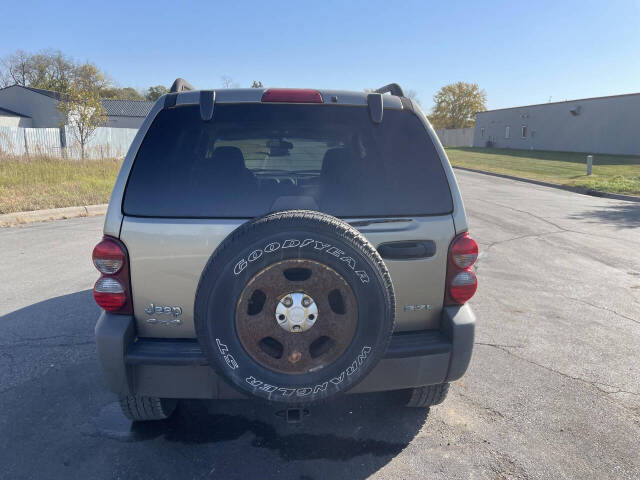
(334, 159)
(228, 158)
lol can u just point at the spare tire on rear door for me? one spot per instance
(294, 307)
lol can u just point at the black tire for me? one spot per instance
(142, 409)
(425, 397)
(236, 261)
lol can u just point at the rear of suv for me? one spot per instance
(283, 244)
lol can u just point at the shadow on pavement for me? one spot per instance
(623, 216)
(57, 411)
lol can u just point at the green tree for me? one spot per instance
(456, 105)
(52, 70)
(126, 93)
(154, 93)
(257, 84)
(81, 105)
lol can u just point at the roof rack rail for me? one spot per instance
(392, 88)
(181, 85)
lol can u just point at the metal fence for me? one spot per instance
(106, 142)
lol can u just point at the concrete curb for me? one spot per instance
(583, 191)
(21, 218)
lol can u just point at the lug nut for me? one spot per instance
(306, 301)
(287, 301)
(295, 357)
(296, 328)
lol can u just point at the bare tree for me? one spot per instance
(257, 84)
(5, 79)
(227, 82)
(18, 68)
(47, 69)
(81, 105)
(413, 95)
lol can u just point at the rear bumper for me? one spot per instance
(178, 368)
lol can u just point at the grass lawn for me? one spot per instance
(36, 183)
(611, 173)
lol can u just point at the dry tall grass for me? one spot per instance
(46, 182)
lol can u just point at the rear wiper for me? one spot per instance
(364, 223)
(285, 172)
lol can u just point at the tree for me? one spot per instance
(52, 70)
(126, 93)
(47, 69)
(227, 82)
(413, 95)
(456, 105)
(257, 84)
(17, 68)
(81, 105)
(154, 93)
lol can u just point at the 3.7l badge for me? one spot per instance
(415, 308)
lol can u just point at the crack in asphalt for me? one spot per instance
(498, 345)
(537, 217)
(484, 253)
(531, 235)
(566, 375)
(490, 410)
(549, 222)
(600, 307)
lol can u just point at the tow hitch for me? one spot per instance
(293, 415)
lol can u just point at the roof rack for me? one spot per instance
(181, 85)
(392, 88)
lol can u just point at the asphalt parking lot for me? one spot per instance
(553, 390)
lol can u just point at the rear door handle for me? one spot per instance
(407, 250)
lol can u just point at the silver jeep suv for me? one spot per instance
(283, 244)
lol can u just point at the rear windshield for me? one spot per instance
(252, 159)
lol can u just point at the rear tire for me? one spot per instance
(142, 409)
(425, 397)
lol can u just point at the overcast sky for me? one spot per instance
(519, 52)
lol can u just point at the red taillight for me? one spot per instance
(112, 291)
(108, 257)
(109, 294)
(292, 95)
(464, 251)
(461, 281)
